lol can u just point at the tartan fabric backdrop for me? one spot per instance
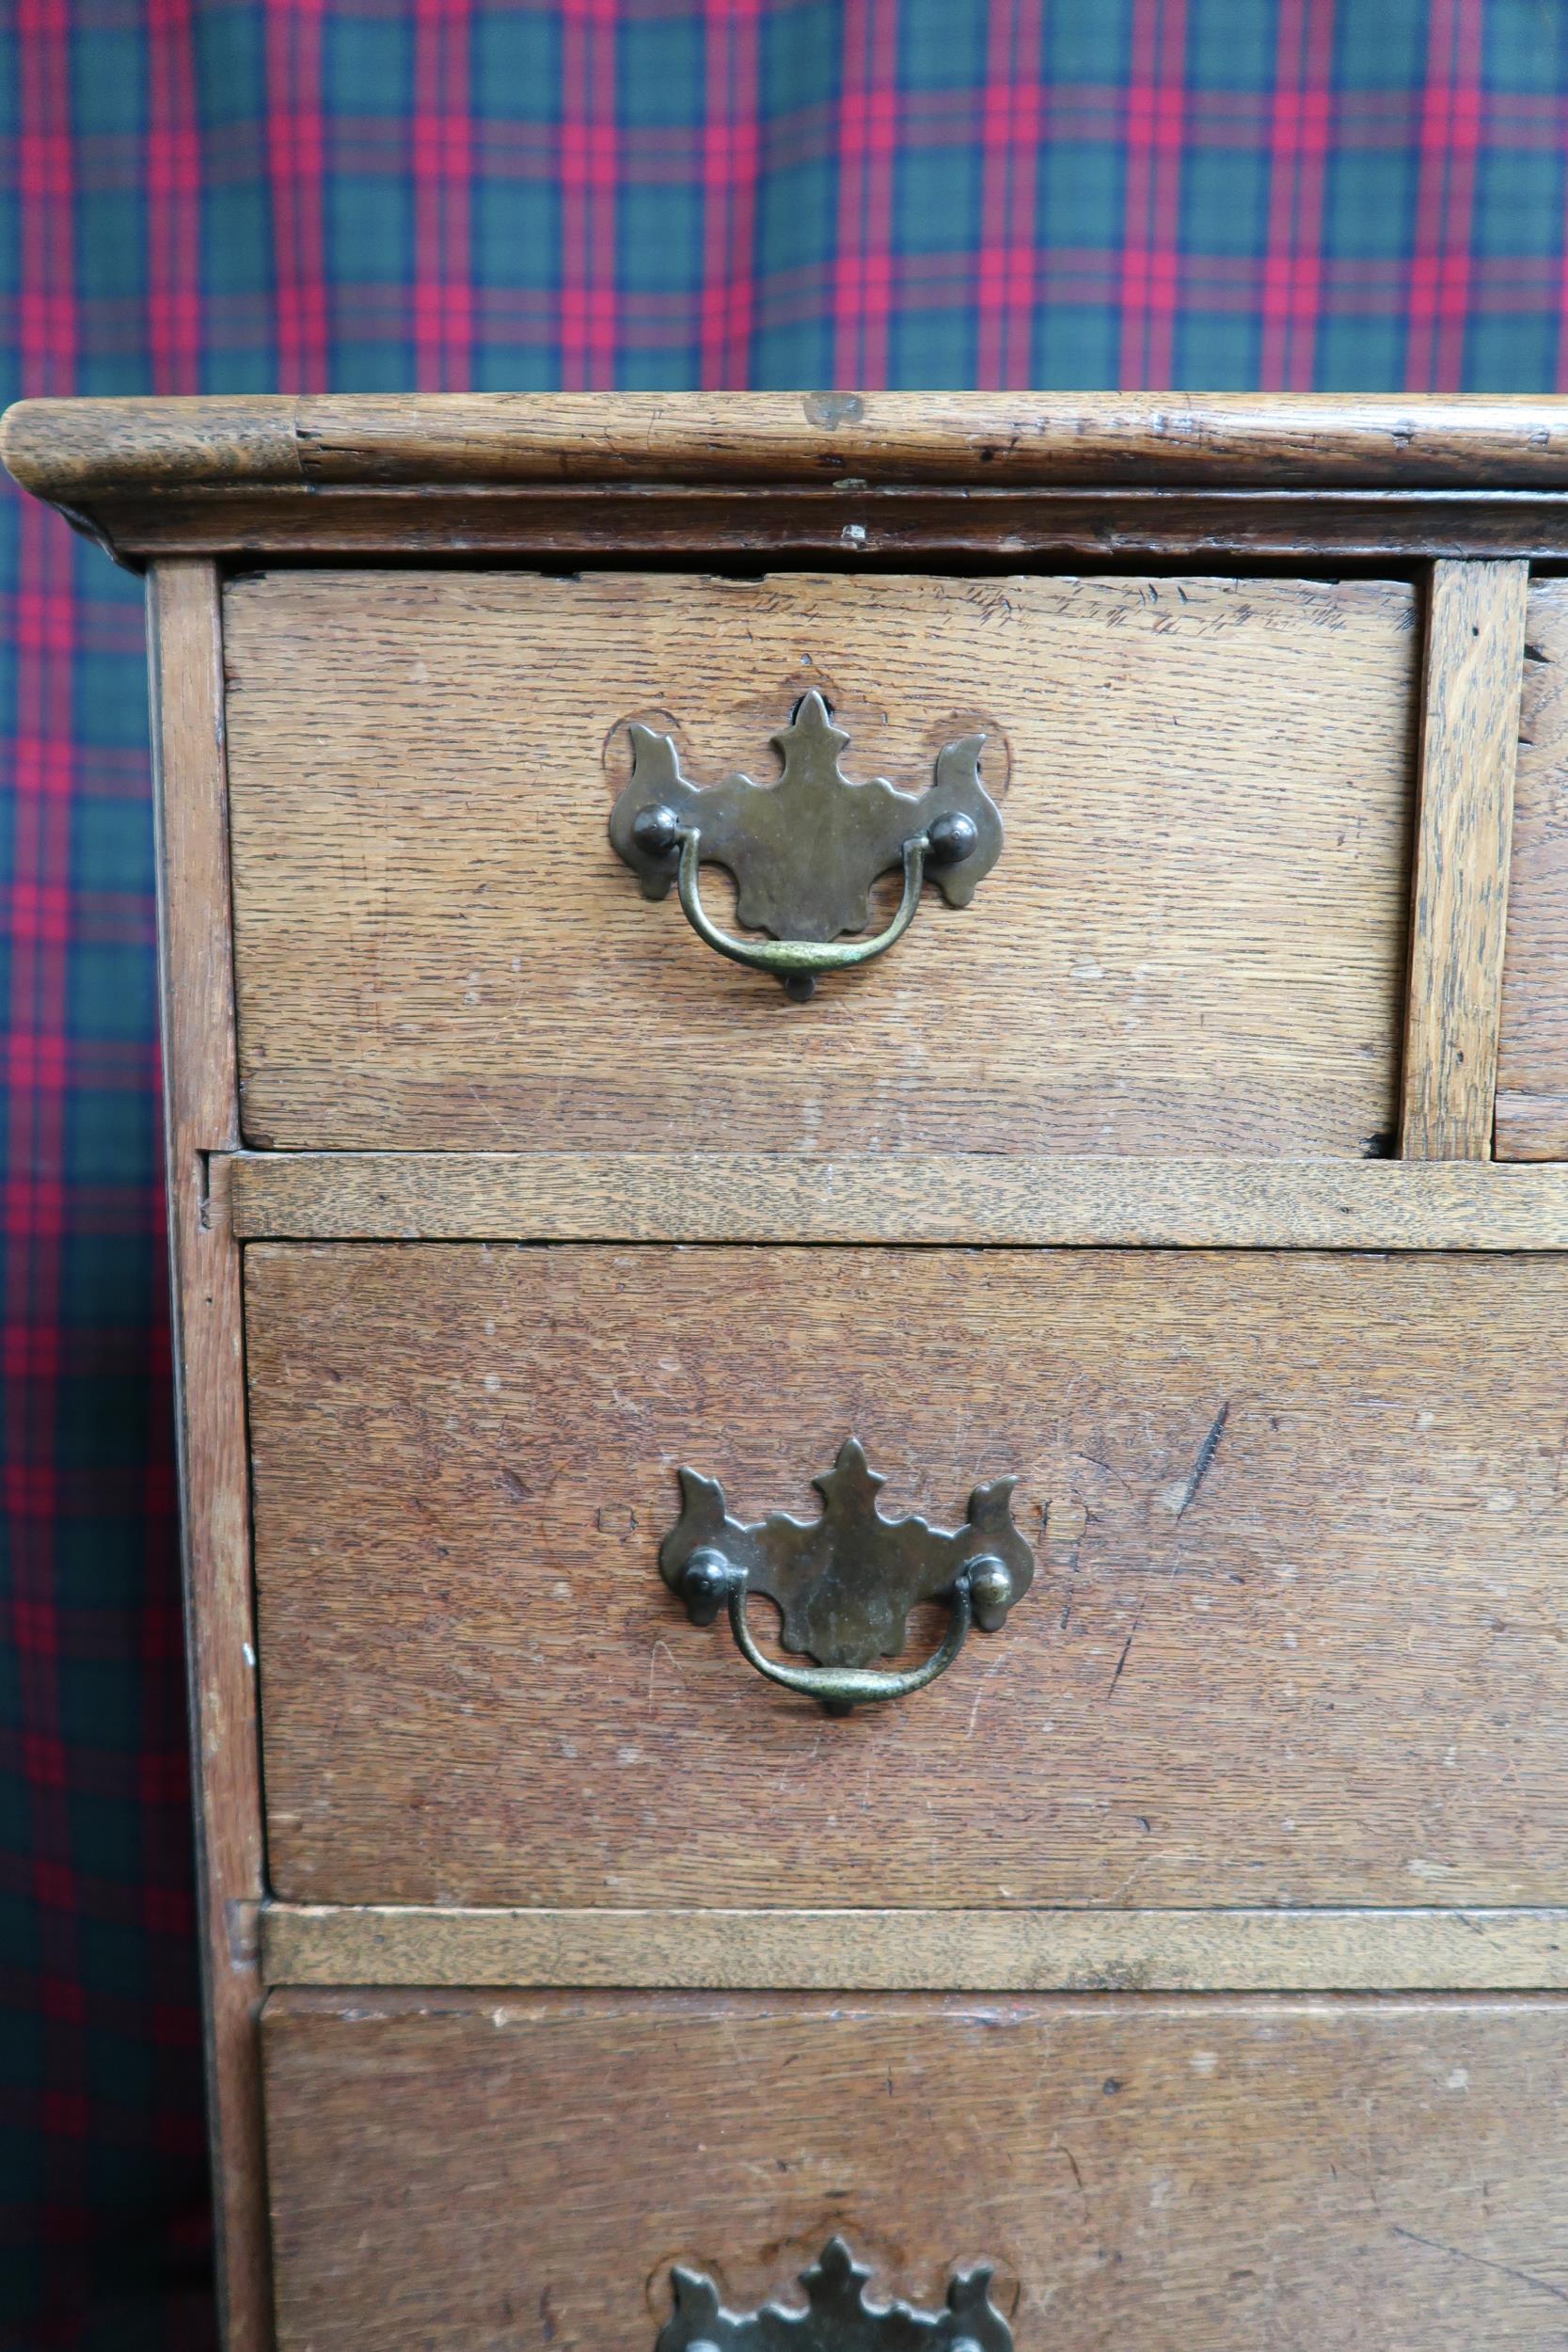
(390, 195)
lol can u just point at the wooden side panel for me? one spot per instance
(202, 1117)
(1532, 1074)
(1469, 740)
(462, 2173)
(1194, 940)
(1298, 1634)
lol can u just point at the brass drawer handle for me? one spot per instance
(804, 851)
(836, 2313)
(796, 962)
(845, 1582)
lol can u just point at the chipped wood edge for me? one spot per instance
(1178, 477)
(856, 523)
(1473, 680)
(67, 448)
(974, 1200)
(977, 1951)
(201, 1118)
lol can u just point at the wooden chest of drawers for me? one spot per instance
(1152, 1224)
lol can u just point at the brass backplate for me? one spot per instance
(837, 2317)
(805, 851)
(845, 1582)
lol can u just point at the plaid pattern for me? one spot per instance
(222, 196)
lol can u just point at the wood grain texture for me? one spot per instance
(1297, 1635)
(853, 523)
(1533, 1069)
(1192, 942)
(848, 476)
(1204, 2176)
(967, 1197)
(1532, 1126)
(977, 1951)
(202, 1117)
(73, 450)
(1475, 654)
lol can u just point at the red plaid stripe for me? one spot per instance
(1299, 142)
(442, 172)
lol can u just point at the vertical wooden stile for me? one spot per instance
(1474, 671)
(201, 1117)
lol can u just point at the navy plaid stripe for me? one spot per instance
(227, 196)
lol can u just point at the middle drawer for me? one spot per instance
(1301, 1532)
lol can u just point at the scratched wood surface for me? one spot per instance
(981, 478)
(1194, 942)
(1297, 1635)
(467, 2171)
(1533, 1065)
(78, 450)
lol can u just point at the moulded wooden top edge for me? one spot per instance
(74, 452)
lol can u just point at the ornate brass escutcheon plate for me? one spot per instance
(804, 851)
(836, 2317)
(845, 1582)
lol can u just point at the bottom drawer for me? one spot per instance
(455, 2172)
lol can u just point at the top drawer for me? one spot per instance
(1193, 941)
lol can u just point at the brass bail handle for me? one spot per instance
(798, 961)
(804, 851)
(845, 1582)
(710, 1582)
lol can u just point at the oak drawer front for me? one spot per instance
(460, 2171)
(1295, 1634)
(1533, 1058)
(1193, 941)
